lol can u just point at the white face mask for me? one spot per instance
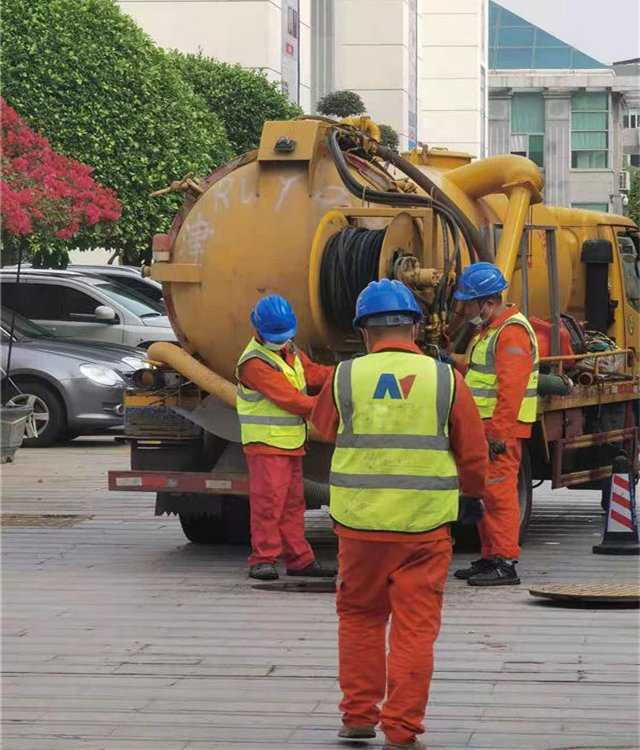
(478, 320)
(273, 347)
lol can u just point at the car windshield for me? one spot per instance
(23, 328)
(134, 302)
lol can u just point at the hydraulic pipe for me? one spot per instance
(202, 376)
(474, 239)
(509, 245)
(497, 174)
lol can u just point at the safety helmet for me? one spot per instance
(390, 300)
(480, 280)
(274, 319)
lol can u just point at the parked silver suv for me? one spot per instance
(72, 305)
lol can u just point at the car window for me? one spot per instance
(38, 301)
(631, 271)
(78, 303)
(134, 302)
(42, 301)
(141, 287)
(22, 328)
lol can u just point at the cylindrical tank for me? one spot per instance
(251, 232)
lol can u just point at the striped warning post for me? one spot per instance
(620, 508)
(621, 525)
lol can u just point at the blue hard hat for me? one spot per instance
(480, 280)
(274, 319)
(386, 298)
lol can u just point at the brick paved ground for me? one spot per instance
(119, 635)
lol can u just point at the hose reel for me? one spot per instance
(346, 256)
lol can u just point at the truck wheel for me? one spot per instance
(466, 537)
(525, 492)
(231, 527)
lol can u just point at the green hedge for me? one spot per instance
(242, 99)
(92, 82)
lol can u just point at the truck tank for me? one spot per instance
(321, 208)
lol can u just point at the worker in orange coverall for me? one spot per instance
(408, 437)
(503, 378)
(273, 406)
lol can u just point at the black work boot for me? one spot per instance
(502, 573)
(477, 566)
(315, 570)
(263, 572)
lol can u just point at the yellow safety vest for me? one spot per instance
(392, 469)
(261, 421)
(482, 379)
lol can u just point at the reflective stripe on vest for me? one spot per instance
(392, 469)
(482, 379)
(261, 421)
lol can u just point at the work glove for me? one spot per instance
(496, 448)
(470, 510)
(443, 356)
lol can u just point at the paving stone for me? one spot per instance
(119, 635)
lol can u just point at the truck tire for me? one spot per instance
(466, 537)
(231, 527)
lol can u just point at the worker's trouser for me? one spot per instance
(276, 497)
(377, 579)
(499, 528)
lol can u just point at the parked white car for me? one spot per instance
(72, 305)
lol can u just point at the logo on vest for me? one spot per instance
(391, 386)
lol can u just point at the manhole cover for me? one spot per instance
(10, 519)
(589, 592)
(327, 586)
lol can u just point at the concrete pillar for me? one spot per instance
(499, 124)
(557, 148)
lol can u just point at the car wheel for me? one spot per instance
(47, 422)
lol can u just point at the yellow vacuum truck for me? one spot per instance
(316, 212)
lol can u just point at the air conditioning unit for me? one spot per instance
(624, 181)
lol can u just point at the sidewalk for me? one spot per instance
(119, 635)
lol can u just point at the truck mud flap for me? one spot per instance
(215, 417)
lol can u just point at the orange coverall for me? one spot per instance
(403, 575)
(499, 528)
(276, 493)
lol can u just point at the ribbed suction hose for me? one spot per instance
(202, 376)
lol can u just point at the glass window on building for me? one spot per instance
(527, 127)
(590, 130)
(602, 207)
(631, 119)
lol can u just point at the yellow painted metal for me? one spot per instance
(402, 237)
(440, 158)
(262, 226)
(331, 223)
(185, 273)
(512, 232)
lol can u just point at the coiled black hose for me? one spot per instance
(349, 262)
(442, 204)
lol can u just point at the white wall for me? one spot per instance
(370, 47)
(454, 59)
(372, 57)
(248, 32)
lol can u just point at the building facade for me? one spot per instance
(559, 107)
(271, 35)
(419, 65)
(628, 73)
